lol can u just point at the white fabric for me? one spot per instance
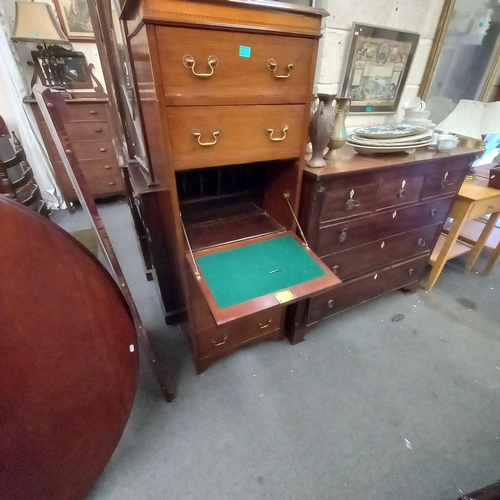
(28, 130)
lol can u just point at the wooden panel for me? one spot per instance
(239, 332)
(243, 134)
(362, 289)
(340, 204)
(458, 248)
(356, 232)
(400, 191)
(240, 77)
(381, 253)
(68, 361)
(267, 16)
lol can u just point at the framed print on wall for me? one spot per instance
(377, 68)
(74, 16)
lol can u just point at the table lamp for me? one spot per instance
(36, 23)
(473, 120)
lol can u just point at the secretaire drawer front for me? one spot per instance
(86, 150)
(351, 233)
(361, 260)
(90, 131)
(398, 192)
(206, 136)
(209, 67)
(239, 332)
(443, 181)
(362, 289)
(348, 202)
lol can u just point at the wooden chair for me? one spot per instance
(16, 176)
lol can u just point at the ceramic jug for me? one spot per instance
(320, 129)
(338, 136)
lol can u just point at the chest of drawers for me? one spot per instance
(374, 222)
(89, 128)
(224, 93)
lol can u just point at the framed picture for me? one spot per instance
(377, 68)
(74, 16)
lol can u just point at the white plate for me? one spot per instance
(390, 142)
(370, 150)
(389, 131)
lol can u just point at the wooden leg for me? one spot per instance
(483, 238)
(437, 267)
(493, 258)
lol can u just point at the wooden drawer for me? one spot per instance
(356, 232)
(400, 191)
(95, 168)
(365, 288)
(348, 202)
(81, 131)
(443, 181)
(86, 150)
(105, 184)
(485, 207)
(237, 333)
(78, 112)
(363, 259)
(244, 134)
(240, 75)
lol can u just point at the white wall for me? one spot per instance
(421, 16)
(5, 107)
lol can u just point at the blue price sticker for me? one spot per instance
(368, 109)
(245, 51)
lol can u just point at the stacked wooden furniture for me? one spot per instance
(224, 92)
(374, 222)
(89, 126)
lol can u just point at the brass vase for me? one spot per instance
(320, 129)
(338, 136)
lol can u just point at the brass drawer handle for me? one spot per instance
(335, 269)
(103, 150)
(402, 193)
(411, 271)
(270, 131)
(214, 342)
(190, 63)
(343, 235)
(93, 112)
(98, 130)
(434, 212)
(445, 184)
(330, 304)
(107, 167)
(351, 203)
(197, 135)
(111, 183)
(266, 324)
(421, 242)
(272, 65)
(492, 208)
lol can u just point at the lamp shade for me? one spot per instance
(473, 119)
(35, 22)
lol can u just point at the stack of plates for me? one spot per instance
(415, 113)
(390, 138)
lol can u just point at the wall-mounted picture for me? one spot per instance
(377, 67)
(74, 16)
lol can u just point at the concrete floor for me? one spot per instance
(365, 408)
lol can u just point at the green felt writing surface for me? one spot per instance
(254, 270)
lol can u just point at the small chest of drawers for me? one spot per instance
(374, 221)
(89, 128)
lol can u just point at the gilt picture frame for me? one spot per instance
(75, 20)
(377, 67)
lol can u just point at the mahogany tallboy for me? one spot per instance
(224, 92)
(374, 222)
